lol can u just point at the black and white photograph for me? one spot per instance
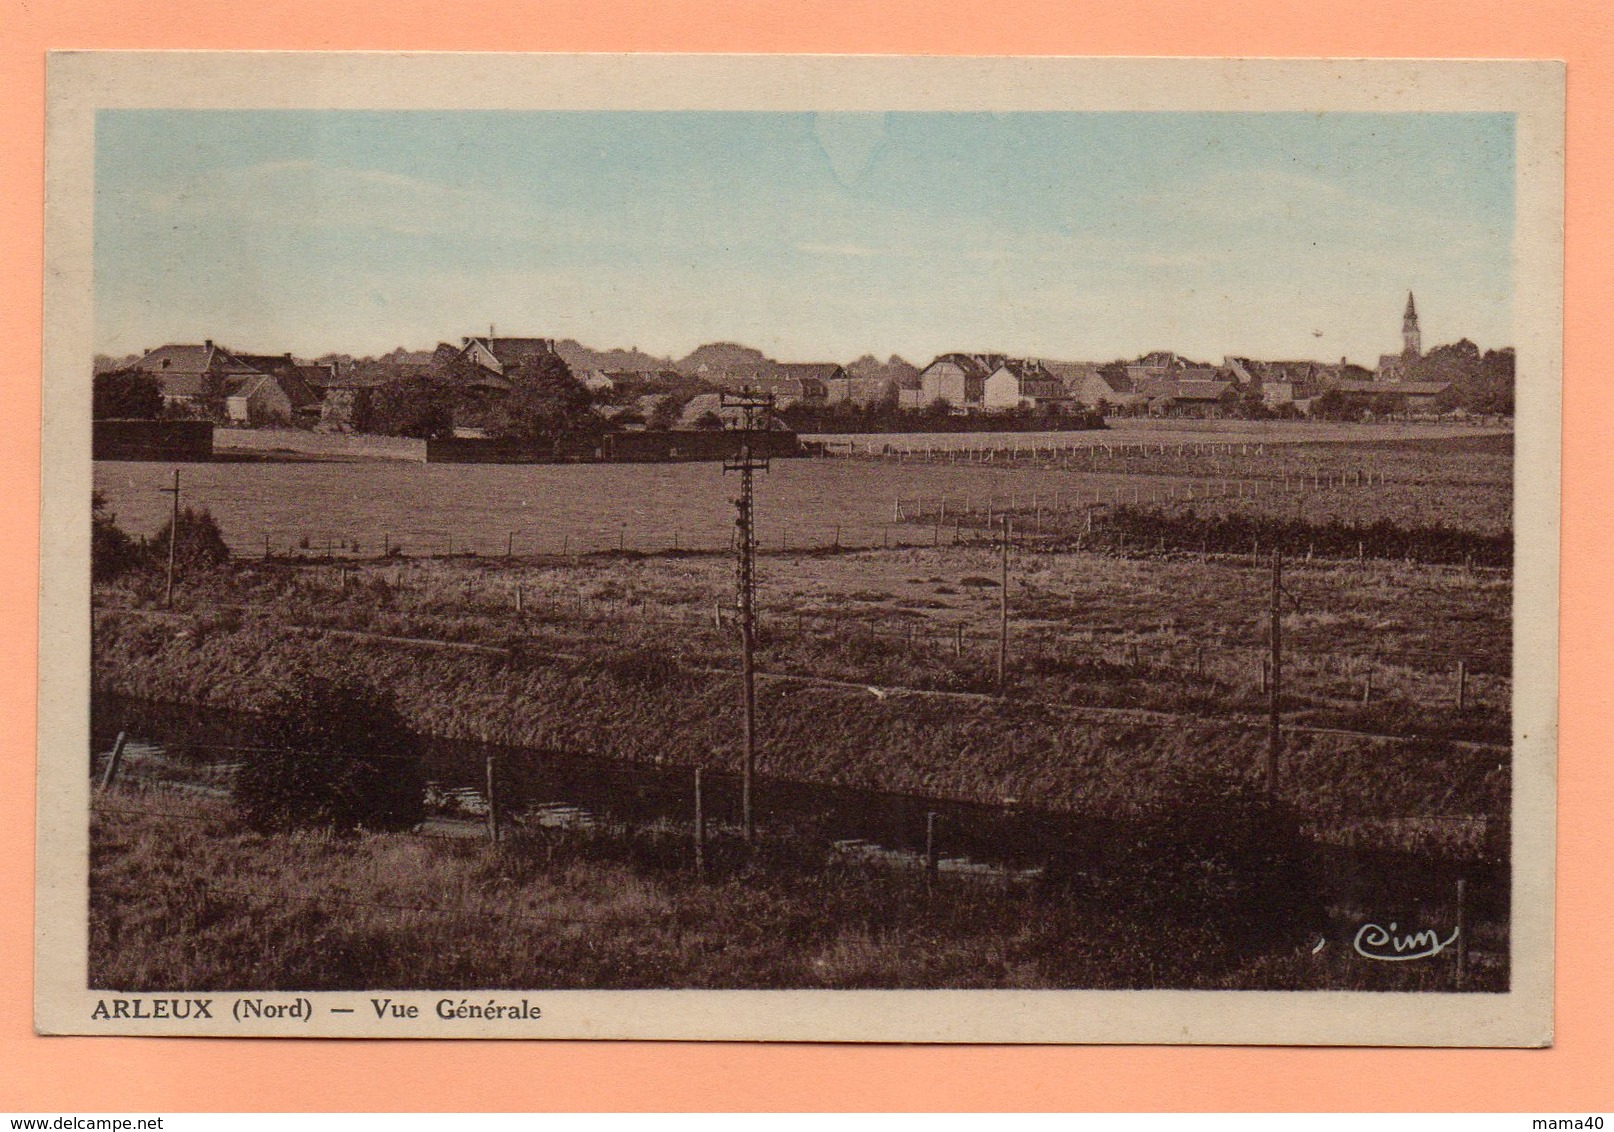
(526, 536)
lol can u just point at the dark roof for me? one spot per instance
(1185, 390)
(1405, 388)
(973, 365)
(298, 392)
(369, 375)
(818, 371)
(180, 358)
(510, 351)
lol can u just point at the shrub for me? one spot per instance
(1209, 852)
(112, 551)
(337, 754)
(201, 545)
(648, 666)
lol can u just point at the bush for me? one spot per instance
(200, 547)
(1210, 852)
(337, 755)
(112, 552)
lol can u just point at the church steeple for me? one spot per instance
(1411, 338)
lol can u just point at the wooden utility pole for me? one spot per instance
(1003, 615)
(1275, 684)
(173, 538)
(747, 462)
(493, 800)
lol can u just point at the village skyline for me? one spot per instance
(1091, 236)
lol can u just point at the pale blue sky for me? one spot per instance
(1075, 236)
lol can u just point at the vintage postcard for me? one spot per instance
(800, 548)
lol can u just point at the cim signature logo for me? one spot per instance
(1375, 942)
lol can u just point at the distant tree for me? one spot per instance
(545, 406)
(666, 413)
(214, 399)
(709, 420)
(126, 394)
(413, 406)
(1336, 406)
(1252, 407)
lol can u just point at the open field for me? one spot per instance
(183, 898)
(1133, 692)
(362, 507)
(1137, 430)
(621, 655)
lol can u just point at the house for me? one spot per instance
(790, 383)
(861, 391)
(1154, 366)
(195, 379)
(350, 392)
(273, 398)
(491, 363)
(706, 410)
(1395, 396)
(1019, 383)
(1090, 386)
(1170, 397)
(957, 379)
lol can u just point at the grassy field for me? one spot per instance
(621, 656)
(1133, 691)
(183, 898)
(358, 508)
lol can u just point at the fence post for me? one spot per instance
(1462, 932)
(930, 848)
(700, 826)
(1462, 686)
(1367, 686)
(493, 800)
(519, 605)
(110, 776)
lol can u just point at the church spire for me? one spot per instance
(1411, 338)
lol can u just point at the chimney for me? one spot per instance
(490, 334)
(208, 342)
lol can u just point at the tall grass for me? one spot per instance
(192, 901)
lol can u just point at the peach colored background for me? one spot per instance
(94, 1074)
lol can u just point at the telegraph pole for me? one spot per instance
(173, 537)
(1003, 615)
(747, 461)
(1275, 684)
